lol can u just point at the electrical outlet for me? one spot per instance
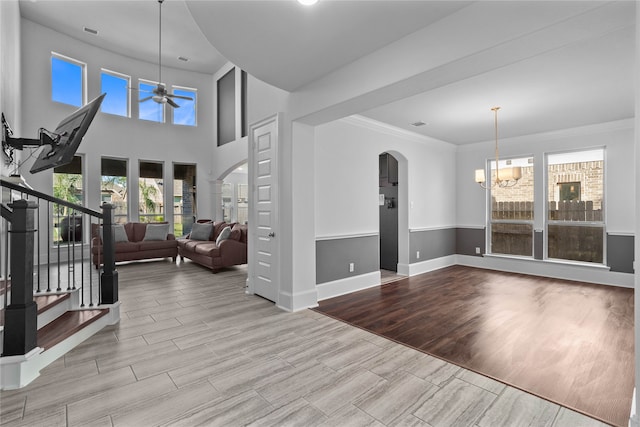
(352, 267)
(477, 250)
(418, 254)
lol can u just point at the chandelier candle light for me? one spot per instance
(505, 177)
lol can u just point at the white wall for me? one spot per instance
(10, 69)
(346, 164)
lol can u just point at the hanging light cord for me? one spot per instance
(160, 44)
(495, 111)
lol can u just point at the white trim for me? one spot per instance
(18, 371)
(444, 227)
(298, 301)
(633, 417)
(620, 233)
(345, 286)
(474, 227)
(597, 274)
(551, 261)
(427, 266)
(347, 236)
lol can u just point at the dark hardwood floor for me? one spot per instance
(568, 342)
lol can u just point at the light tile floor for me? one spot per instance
(192, 348)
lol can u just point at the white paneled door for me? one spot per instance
(263, 257)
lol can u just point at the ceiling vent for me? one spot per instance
(90, 31)
(418, 123)
(182, 58)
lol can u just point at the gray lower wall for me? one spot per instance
(333, 257)
(431, 244)
(468, 239)
(620, 253)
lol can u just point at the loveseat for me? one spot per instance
(215, 245)
(136, 241)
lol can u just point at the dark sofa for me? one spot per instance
(134, 246)
(204, 250)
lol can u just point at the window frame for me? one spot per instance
(505, 162)
(602, 223)
(127, 86)
(144, 217)
(83, 77)
(193, 91)
(127, 177)
(194, 211)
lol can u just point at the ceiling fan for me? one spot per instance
(160, 94)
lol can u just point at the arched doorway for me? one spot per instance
(388, 204)
(235, 195)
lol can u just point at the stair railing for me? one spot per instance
(25, 270)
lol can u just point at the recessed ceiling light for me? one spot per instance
(308, 2)
(182, 58)
(90, 31)
(418, 123)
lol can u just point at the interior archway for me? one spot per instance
(233, 202)
(394, 196)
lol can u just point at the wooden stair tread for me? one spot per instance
(45, 302)
(67, 325)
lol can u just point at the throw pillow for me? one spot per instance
(119, 234)
(201, 231)
(224, 235)
(156, 232)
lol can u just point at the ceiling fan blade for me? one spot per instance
(170, 95)
(145, 99)
(172, 103)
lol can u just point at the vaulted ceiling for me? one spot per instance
(587, 79)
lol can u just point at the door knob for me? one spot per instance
(272, 234)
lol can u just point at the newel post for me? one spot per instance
(109, 278)
(21, 315)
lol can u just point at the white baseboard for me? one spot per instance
(633, 417)
(557, 270)
(345, 286)
(426, 266)
(298, 301)
(18, 371)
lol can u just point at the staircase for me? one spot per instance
(50, 300)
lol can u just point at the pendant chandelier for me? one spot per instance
(505, 177)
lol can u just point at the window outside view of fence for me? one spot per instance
(512, 213)
(576, 228)
(575, 223)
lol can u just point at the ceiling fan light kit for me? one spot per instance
(160, 94)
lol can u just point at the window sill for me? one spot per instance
(551, 261)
